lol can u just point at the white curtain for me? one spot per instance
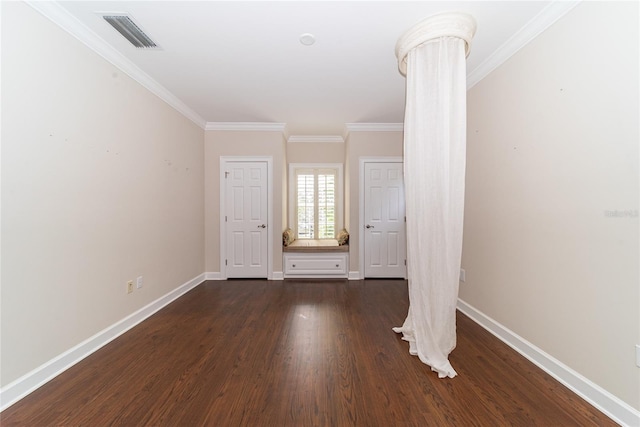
(434, 168)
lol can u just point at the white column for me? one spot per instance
(432, 55)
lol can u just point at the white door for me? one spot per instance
(384, 220)
(246, 219)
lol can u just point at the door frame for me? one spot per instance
(223, 225)
(363, 161)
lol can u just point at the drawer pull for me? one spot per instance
(337, 265)
(294, 266)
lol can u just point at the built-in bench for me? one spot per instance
(325, 258)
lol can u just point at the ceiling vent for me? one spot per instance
(130, 31)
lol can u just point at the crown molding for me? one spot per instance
(335, 139)
(246, 126)
(539, 23)
(374, 127)
(61, 17)
(65, 20)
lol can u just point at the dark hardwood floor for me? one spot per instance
(296, 353)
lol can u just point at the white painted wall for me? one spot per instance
(101, 182)
(552, 148)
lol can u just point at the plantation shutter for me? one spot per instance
(305, 205)
(316, 203)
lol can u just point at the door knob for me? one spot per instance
(262, 226)
(369, 226)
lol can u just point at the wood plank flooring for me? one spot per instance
(296, 353)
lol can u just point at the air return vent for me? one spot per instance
(125, 26)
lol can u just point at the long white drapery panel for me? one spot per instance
(434, 168)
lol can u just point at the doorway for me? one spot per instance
(383, 241)
(245, 218)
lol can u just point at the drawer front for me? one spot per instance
(334, 264)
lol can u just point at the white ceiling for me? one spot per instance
(240, 61)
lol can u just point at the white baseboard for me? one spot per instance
(610, 405)
(213, 275)
(216, 275)
(29, 382)
(354, 275)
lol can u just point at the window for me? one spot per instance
(315, 200)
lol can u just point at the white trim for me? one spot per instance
(354, 275)
(374, 127)
(277, 275)
(213, 275)
(332, 139)
(29, 382)
(292, 189)
(222, 223)
(362, 162)
(246, 126)
(65, 20)
(608, 404)
(223, 241)
(532, 29)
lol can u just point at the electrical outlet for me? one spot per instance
(139, 282)
(463, 276)
(130, 286)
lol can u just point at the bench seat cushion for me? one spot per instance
(324, 245)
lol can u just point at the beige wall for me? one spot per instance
(241, 143)
(101, 182)
(360, 145)
(552, 147)
(315, 152)
(237, 143)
